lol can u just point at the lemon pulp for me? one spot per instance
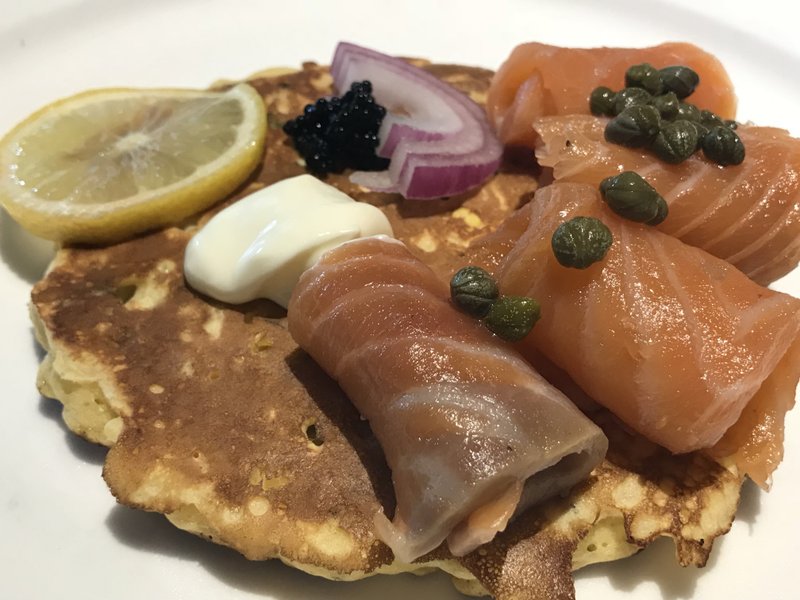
(107, 164)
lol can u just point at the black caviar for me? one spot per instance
(337, 133)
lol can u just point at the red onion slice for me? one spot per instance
(439, 140)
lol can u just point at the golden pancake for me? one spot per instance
(216, 419)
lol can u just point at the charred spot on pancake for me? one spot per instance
(312, 433)
(203, 405)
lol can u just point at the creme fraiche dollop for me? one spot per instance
(259, 246)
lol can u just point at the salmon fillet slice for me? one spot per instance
(472, 434)
(747, 214)
(537, 80)
(674, 341)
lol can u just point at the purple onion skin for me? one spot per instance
(434, 164)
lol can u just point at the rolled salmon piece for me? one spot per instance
(677, 343)
(747, 214)
(472, 434)
(538, 80)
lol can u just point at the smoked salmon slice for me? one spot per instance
(748, 214)
(472, 434)
(677, 343)
(538, 80)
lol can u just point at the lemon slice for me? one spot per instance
(106, 164)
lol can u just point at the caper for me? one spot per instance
(473, 290)
(679, 79)
(731, 124)
(644, 76)
(601, 101)
(709, 119)
(580, 242)
(631, 197)
(629, 97)
(663, 212)
(513, 317)
(666, 104)
(702, 130)
(634, 127)
(689, 112)
(676, 141)
(722, 145)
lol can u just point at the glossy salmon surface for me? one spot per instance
(748, 214)
(538, 80)
(472, 434)
(678, 344)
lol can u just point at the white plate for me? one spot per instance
(61, 534)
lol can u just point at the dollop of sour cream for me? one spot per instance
(259, 246)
